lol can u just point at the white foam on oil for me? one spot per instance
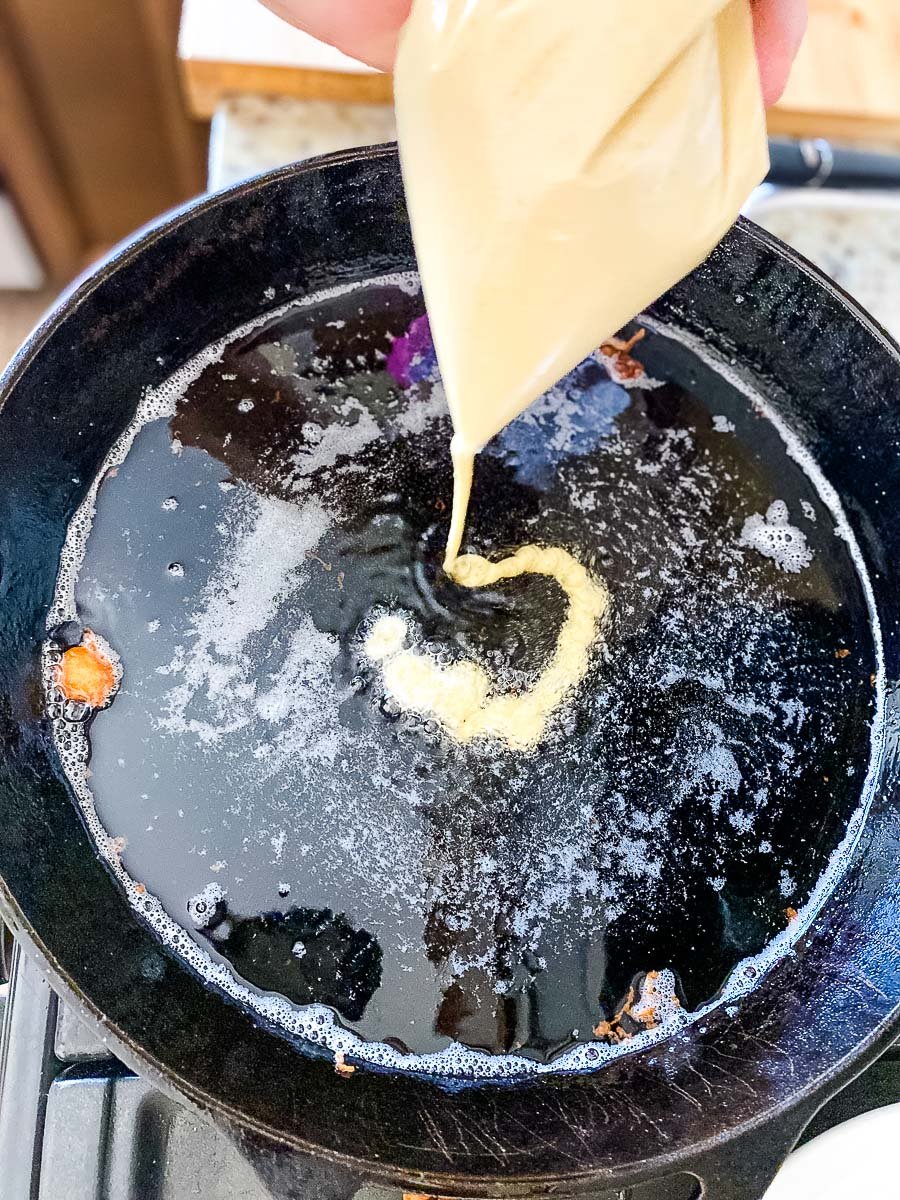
(746, 975)
(214, 664)
(337, 441)
(317, 1024)
(773, 536)
(202, 907)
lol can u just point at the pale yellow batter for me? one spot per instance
(460, 696)
(565, 163)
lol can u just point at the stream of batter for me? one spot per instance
(545, 214)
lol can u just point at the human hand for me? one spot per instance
(368, 29)
(364, 29)
(779, 26)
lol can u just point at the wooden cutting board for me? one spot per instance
(846, 81)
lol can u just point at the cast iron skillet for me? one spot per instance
(725, 1102)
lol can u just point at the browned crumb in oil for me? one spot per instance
(341, 1066)
(842, 653)
(86, 673)
(616, 345)
(791, 914)
(626, 1022)
(624, 365)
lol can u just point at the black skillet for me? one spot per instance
(725, 1101)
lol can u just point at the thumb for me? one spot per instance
(778, 26)
(364, 29)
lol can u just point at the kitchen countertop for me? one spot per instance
(251, 134)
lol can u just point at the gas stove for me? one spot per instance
(75, 1124)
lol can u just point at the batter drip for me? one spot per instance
(459, 696)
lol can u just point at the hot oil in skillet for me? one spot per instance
(333, 849)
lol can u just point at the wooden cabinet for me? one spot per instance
(846, 81)
(94, 135)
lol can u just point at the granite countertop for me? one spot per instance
(853, 237)
(252, 134)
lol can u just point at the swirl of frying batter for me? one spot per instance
(459, 696)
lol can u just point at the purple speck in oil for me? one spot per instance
(412, 358)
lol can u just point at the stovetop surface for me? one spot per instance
(75, 1124)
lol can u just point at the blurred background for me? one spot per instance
(95, 139)
(112, 112)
